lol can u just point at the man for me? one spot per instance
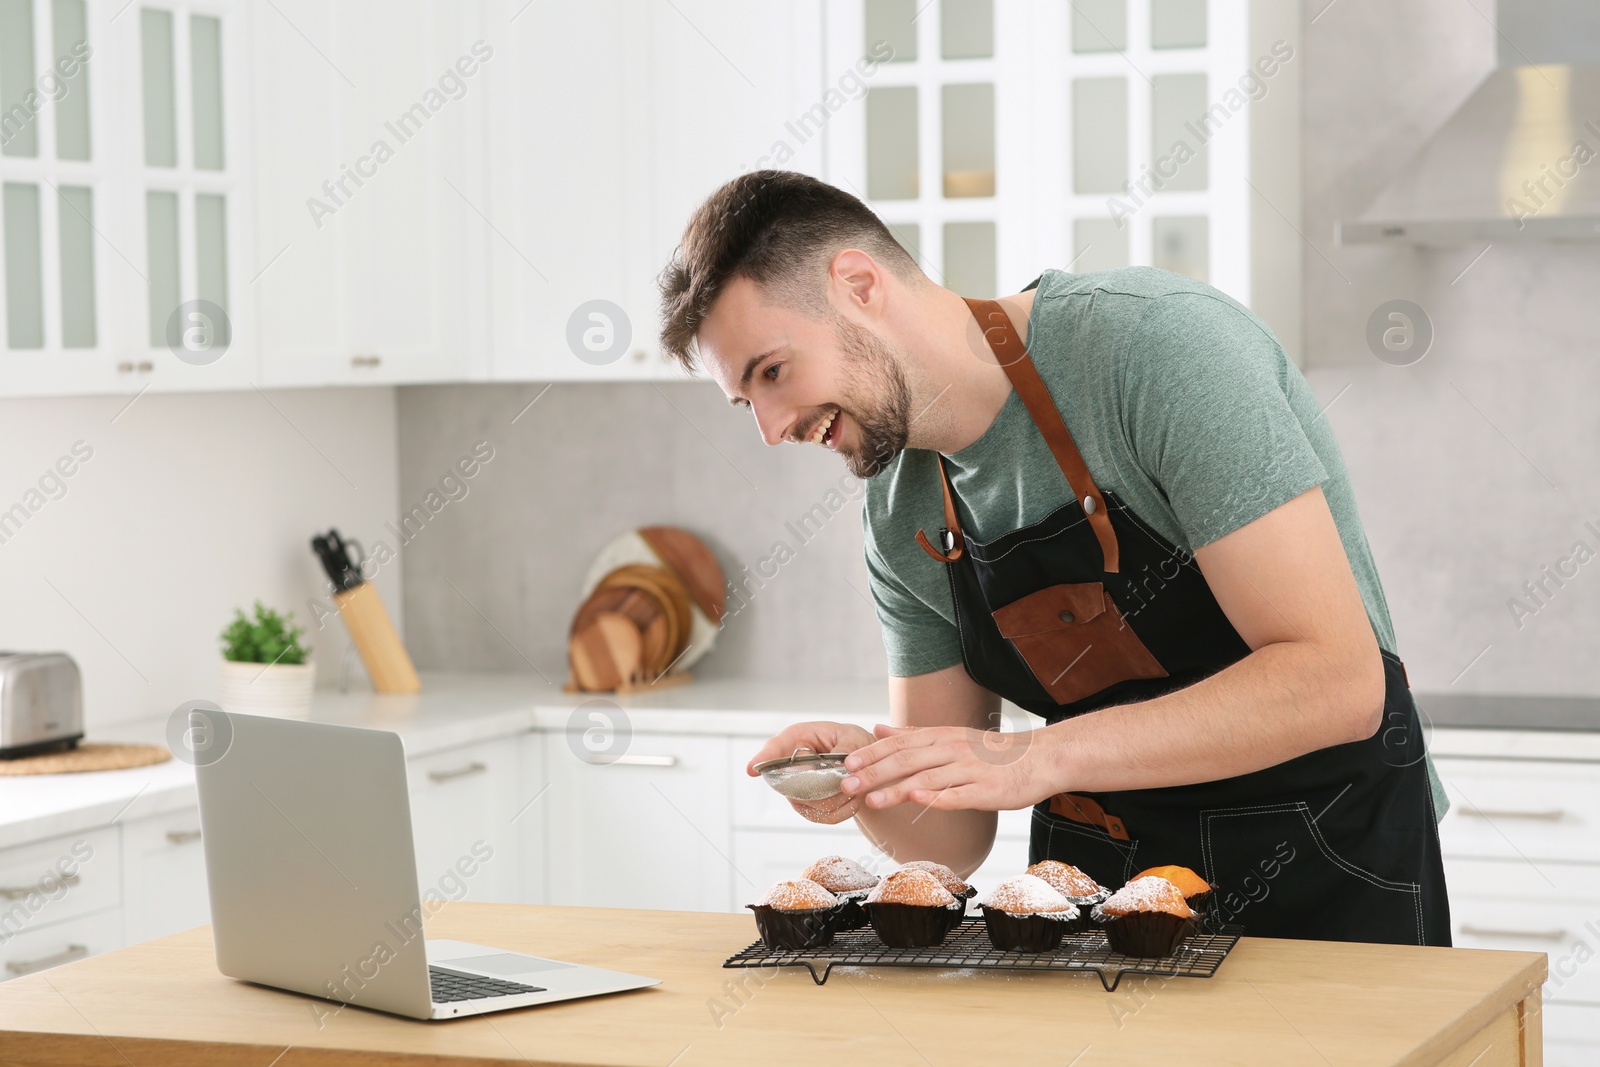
(1112, 500)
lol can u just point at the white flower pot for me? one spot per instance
(280, 689)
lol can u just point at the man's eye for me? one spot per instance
(771, 373)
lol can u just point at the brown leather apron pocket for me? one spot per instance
(1075, 640)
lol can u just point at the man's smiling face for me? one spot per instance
(807, 376)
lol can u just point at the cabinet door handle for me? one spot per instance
(1553, 815)
(365, 361)
(183, 837)
(460, 772)
(633, 761)
(19, 892)
(17, 968)
(1526, 935)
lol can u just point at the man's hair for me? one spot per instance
(780, 229)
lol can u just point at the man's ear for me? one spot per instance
(856, 281)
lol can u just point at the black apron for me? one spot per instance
(1090, 607)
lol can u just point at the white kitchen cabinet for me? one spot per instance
(370, 188)
(463, 803)
(999, 139)
(164, 884)
(58, 879)
(610, 123)
(127, 195)
(646, 826)
(60, 943)
(1523, 866)
(1516, 809)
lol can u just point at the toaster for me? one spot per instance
(41, 703)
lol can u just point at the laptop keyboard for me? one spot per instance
(449, 986)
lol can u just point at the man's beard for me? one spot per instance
(881, 400)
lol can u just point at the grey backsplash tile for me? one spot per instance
(492, 580)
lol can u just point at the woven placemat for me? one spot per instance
(88, 756)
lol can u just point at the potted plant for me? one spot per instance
(265, 669)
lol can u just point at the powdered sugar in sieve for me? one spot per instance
(808, 777)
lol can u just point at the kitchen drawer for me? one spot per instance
(463, 801)
(60, 943)
(644, 826)
(58, 879)
(1521, 809)
(163, 876)
(1571, 1035)
(1546, 907)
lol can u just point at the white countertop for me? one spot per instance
(452, 710)
(461, 709)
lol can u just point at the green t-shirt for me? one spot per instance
(1183, 404)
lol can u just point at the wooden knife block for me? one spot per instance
(387, 661)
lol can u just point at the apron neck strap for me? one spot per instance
(1013, 356)
(955, 544)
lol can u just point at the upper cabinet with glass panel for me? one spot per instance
(924, 148)
(1010, 137)
(121, 199)
(187, 183)
(48, 201)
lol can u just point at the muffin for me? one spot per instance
(798, 914)
(1146, 917)
(1195, 889)
(1073, 884)
(847, 880)
(946, 876)
(1027, 914)
(910, 909)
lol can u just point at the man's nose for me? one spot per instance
(771, 423)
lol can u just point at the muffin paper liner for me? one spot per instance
(914, 925)
(1145, 933)
(1039, 932)
(808, 928)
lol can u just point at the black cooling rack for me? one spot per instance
(968, 946)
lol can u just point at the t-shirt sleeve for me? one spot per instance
(917, 638)
(1206, 397)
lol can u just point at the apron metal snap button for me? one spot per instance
(1088, 505)
(1067, 616)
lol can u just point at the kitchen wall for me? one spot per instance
(493, 578)
(177, 509)
(1475, 468)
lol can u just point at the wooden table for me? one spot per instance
(1272, 1002)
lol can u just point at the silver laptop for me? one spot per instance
(313, 879)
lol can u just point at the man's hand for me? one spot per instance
(819, 737)
(953, 767)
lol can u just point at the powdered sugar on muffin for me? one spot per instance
(945, 875)
(800, 895)
(1146, 894)
(840, 875)
(1027, 894)
(913, 886)
(1066, 879)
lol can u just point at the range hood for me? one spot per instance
(1519, 161)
